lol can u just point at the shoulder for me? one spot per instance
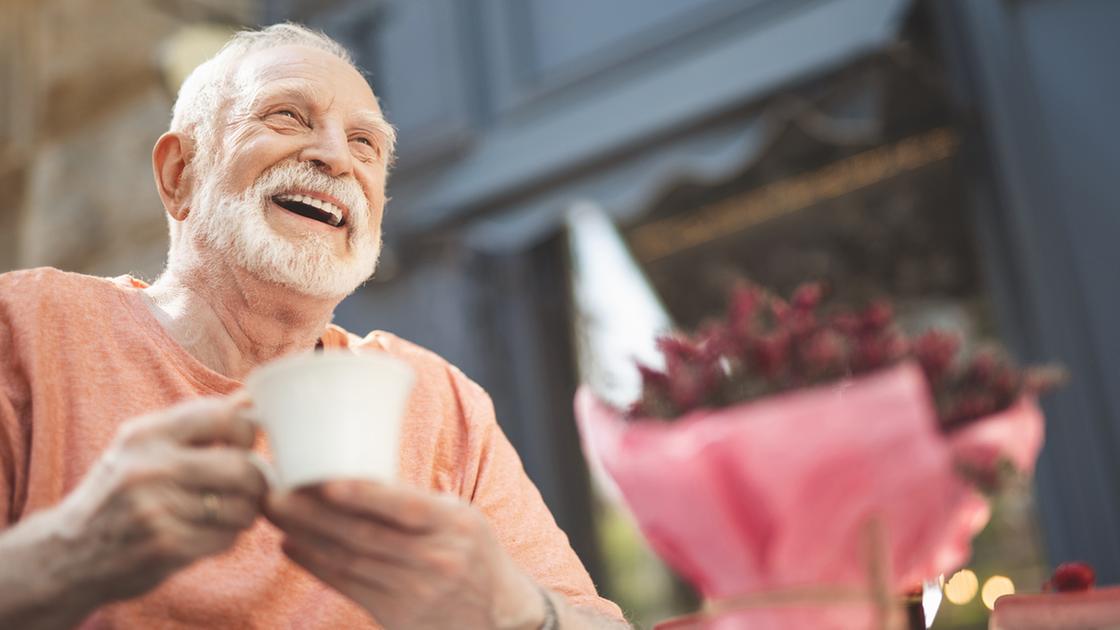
(47, 284)
(46, 298)
(28, 280)
(38, 275)
(32, 301)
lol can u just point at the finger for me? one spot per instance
(405, 508)
(305, 516)
(210, 541)
(221, 469)
(203, 541)
(215, 510)
(268, 473)
(182, 541)
(245, 407)
(354, 578)
(208, 421)
(241, 397)
(230, 512)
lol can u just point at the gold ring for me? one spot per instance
(211, 504)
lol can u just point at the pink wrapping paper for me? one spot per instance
(1015, 434)
(778, 493)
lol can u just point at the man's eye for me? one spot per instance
(372, 149)
(287, 113)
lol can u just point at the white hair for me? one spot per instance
(207, 89)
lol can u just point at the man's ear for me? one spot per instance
(170, 157)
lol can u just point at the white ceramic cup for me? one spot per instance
(332, 415)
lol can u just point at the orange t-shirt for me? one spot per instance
(80, 355)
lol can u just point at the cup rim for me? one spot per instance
(371, 358)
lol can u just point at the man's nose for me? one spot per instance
(330, 152)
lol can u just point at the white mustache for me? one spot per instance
(303, 176)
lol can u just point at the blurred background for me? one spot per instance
(577, 175)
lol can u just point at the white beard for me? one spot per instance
(237, 227)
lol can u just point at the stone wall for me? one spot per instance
(87, 92)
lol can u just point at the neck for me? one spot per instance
(232, 321)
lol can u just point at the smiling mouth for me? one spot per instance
(312, 208)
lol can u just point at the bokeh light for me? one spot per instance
(996, 587)
(962, 587)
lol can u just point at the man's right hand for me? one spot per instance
(173, 487)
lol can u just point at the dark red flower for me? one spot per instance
(824, 353)
(779, 311)
(877, 316)
(970, 406)
(765, 346)
(715, 341)
(654, 401)
(652, 377)
(935, 351)
(688, 388)
(983, 367)
(692, 372)
(801, 323)
(876, 351)
(1005, 383)
(808, 296)
(679, 348)
(846, 322)
(744, 305)
(770, 354)
(896, 346)
(1072, 576)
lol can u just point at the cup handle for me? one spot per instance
(266, 470)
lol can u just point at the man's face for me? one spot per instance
(296, 188)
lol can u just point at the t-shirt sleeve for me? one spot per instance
(11, 449)
(8, 460)
(513, 505)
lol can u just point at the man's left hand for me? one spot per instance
(410, 558)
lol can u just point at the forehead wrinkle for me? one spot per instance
(298, 77)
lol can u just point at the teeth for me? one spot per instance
(325, 206)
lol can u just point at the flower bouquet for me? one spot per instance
(804, 466)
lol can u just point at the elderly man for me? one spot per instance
(127, 488)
